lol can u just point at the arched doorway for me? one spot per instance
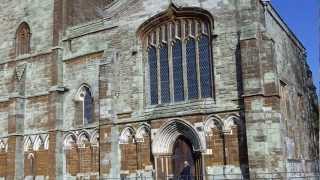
(177, 141)
(182, 153)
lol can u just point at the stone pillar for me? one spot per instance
(15, 141)
(16, 125)
(163, 165)
(261, 105)
(56, 117)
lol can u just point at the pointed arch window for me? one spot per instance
(180, 60)
(23, 36)
(86, 105)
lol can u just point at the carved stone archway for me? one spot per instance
(166, 143)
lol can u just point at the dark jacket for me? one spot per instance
(186, 173)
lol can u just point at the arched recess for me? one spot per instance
(232, 137)
(83, 139)
(72, 154)
(214, 129)
(29, 157)
(143, 139)
(84, 105)
(38, 144)
(167, 135)
(142, 132)
(128, 146)
(29, 164)
(94, 141)
(40, 153)
(23, 36)
(213, 122)
(70, 141)
(231, 122)
(85, 152)
(127, 135)
(28, 144)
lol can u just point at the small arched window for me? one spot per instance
(85, 100)
(23, 36)
(179, 52)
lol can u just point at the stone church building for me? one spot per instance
(95, 89)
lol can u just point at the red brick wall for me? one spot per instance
(215, 143)
(85, 157)
(72, 157)
(129, 161)
(82, 160)
(232, 147)
(3, 164)
(144, 153)
(41, 162)
(38, 165)
(28, 169)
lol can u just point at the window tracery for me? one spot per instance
(179, 60)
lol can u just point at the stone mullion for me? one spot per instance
(147, 88)
(158, 44)
(184, 59)
(196, 38)
(170, 59)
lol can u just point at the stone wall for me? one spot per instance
(259, 68)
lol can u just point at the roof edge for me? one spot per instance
(276, 16)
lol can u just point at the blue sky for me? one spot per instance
(303, 18)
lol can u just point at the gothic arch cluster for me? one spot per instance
(82, 151)
(136, 142)
(225, 125)
(36, 154)
(36, 142)
(82, 138)
(138, 135)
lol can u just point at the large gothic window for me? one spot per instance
(23, 36)
(179, 59)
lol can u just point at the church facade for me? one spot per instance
(139, 88)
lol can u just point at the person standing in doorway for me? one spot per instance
(186, 172)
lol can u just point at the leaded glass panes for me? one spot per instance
(164, 74)
(178, 71)
(189, 61)
(152, 58)
(88, 107)
(191, 69)
(205, 67)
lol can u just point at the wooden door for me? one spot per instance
(182, 152)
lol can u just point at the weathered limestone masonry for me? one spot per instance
(125, 88)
